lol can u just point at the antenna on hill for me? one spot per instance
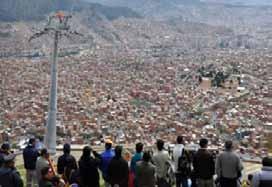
(57, 24)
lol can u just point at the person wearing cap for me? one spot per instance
(9, 176)
(30, 155)
(5, 150)
(263, 178)
(118, 171)
(228, 167)
(106, 157)
(41, 163)
(66, 159)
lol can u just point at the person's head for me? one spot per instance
(160, 145)
(228, 145)
(44, 153)
(9, 161)
(250, 177)
(267, 162)
(5, 147)
(40, 138)
(203, 143)
(179, 140)
(86, 152)
(32, 141)
(108, 144)
(66, 148)
(139, 147)
(47, 173)
(55, 180)
(146, 156)
(118, 151)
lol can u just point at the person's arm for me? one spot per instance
(126, 172)
(18, 182)
(195, 163)
(74, 163)
(137, 172)
(212, 162)
(110, 171)
(256, 180)
(60, 166)
(96, 155)
(133, 165)
(218, 166)
(240, 164)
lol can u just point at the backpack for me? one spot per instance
(184, 164)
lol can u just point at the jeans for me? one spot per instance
(227, 182)
(181, 180)
(31, 180)
(205, 183)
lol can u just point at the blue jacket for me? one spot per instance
(30, 155)
(136, 158)
(263, 178)
(10, 178)
(106, 157)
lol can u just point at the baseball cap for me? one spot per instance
(108, 141)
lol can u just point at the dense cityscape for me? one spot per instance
(134, 75)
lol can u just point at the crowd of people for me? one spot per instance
(147, 168)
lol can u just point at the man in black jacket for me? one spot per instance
(9, 176)
(118, 169)
(30, 155)
(204, 165)
(88, 168)
(66, 159)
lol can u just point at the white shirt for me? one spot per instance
(160, 160)
(176, 154)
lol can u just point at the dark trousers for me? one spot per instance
(163, 183)
(181, 180)
(227, 182)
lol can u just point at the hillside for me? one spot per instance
(15, 10)
(242, 2)
(233, 14)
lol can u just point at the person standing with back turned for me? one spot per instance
(160, 160)
(30, 155)
(228, 167)
(63, 160)
(263, 178)
(118, 169)
(204, 166)
(178, 149)
(106, 157)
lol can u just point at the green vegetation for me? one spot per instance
(269, 144)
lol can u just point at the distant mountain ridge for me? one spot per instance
(241, 2)
(16, 10)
